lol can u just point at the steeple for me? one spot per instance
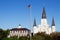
(43, 13)
(34, 22)
(53, 23)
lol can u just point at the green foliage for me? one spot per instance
(23, 38)
(12, 38)
(5, 39)
(38, 36)
(6, 32)
(41, 36)
(16, 38)
(3, 33)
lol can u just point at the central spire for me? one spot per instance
(43, 13)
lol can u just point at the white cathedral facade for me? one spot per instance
(44, 26)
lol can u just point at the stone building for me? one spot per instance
(19, 32)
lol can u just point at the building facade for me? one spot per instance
(19, 32)
(44, 26)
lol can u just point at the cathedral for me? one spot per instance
(44, 26)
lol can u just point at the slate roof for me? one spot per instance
(18, 29)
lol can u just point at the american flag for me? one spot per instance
(29, 6)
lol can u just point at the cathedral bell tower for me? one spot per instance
(35, 27)
(53, 25)
(43, 20)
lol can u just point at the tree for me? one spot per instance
(3, 33)
(41, 36)
(6, 33)
(38, 36)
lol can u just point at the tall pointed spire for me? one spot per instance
(34, 22)
(43, 13)
(53, 23)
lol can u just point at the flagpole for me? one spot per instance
(30, 12)
(30, 20)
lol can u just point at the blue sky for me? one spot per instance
(15, 12)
